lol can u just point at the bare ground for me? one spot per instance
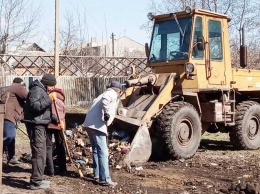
(216, 168)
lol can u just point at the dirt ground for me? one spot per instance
(216, 168)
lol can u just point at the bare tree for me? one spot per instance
(73, 38)
(19, 19)
(68, 33)
(73, 33)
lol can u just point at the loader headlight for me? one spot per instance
(151, 15)
(129, 71)
(188, 9)
(189, 67)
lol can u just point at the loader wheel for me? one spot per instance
(246, 133)
(181, 127)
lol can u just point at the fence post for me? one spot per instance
(2, 111)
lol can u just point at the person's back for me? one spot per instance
(15, 102)
(37, 107)
(94, 117)
(60, 104)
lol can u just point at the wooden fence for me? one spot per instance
(79, 91)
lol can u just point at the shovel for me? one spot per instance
(65, 140)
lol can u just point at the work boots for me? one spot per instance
(43, 185)
(110, 183)
(14, 161)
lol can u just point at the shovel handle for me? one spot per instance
(65, 142)
(62, 131)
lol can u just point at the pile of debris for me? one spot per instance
(242, 187)
(81, 150)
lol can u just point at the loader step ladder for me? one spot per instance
(229, 117)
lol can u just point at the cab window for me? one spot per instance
(215, 40)
(197, 32)
(170, 40)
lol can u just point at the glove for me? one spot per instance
(53, 95)
(61, 125)
(106, 116)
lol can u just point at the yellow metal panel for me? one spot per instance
(246, 79)
(162, 99)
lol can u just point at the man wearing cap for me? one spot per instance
(100, 115)
(13, 115)
(37, 116)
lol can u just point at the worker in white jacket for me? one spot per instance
(100, 115)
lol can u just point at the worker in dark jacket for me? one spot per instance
(13, 115)
(37, 116)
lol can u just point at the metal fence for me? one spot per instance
(86, 66)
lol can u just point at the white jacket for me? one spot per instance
(104, 103)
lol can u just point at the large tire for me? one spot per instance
(180, 125)
(246, 133)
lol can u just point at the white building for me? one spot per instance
(123, 47)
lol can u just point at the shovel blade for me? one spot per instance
(141, 148)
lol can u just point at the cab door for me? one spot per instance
(215, 66)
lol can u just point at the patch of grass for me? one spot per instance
(216, 136)
(21, 135)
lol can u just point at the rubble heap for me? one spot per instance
(81, 150)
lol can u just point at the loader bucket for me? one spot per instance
(141, 148)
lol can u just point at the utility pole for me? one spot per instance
(113, 53)
(113, 46)
(56, 47)
(2, 114)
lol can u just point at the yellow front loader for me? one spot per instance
(192, 89)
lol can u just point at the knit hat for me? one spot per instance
(116, 84)
(49, 80)
(18, 80)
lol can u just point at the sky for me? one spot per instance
(104, 17)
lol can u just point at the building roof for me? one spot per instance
(30, 48)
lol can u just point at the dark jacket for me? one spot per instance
(15, 102)
(38, 104)
(60, 108)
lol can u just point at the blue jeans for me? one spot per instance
(98, 141)
(9, 139)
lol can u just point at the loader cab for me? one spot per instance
(170, 42)
(194, 45)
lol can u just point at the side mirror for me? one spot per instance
(147, 51)
(200, 43)
(243, 49)
(243, 56)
